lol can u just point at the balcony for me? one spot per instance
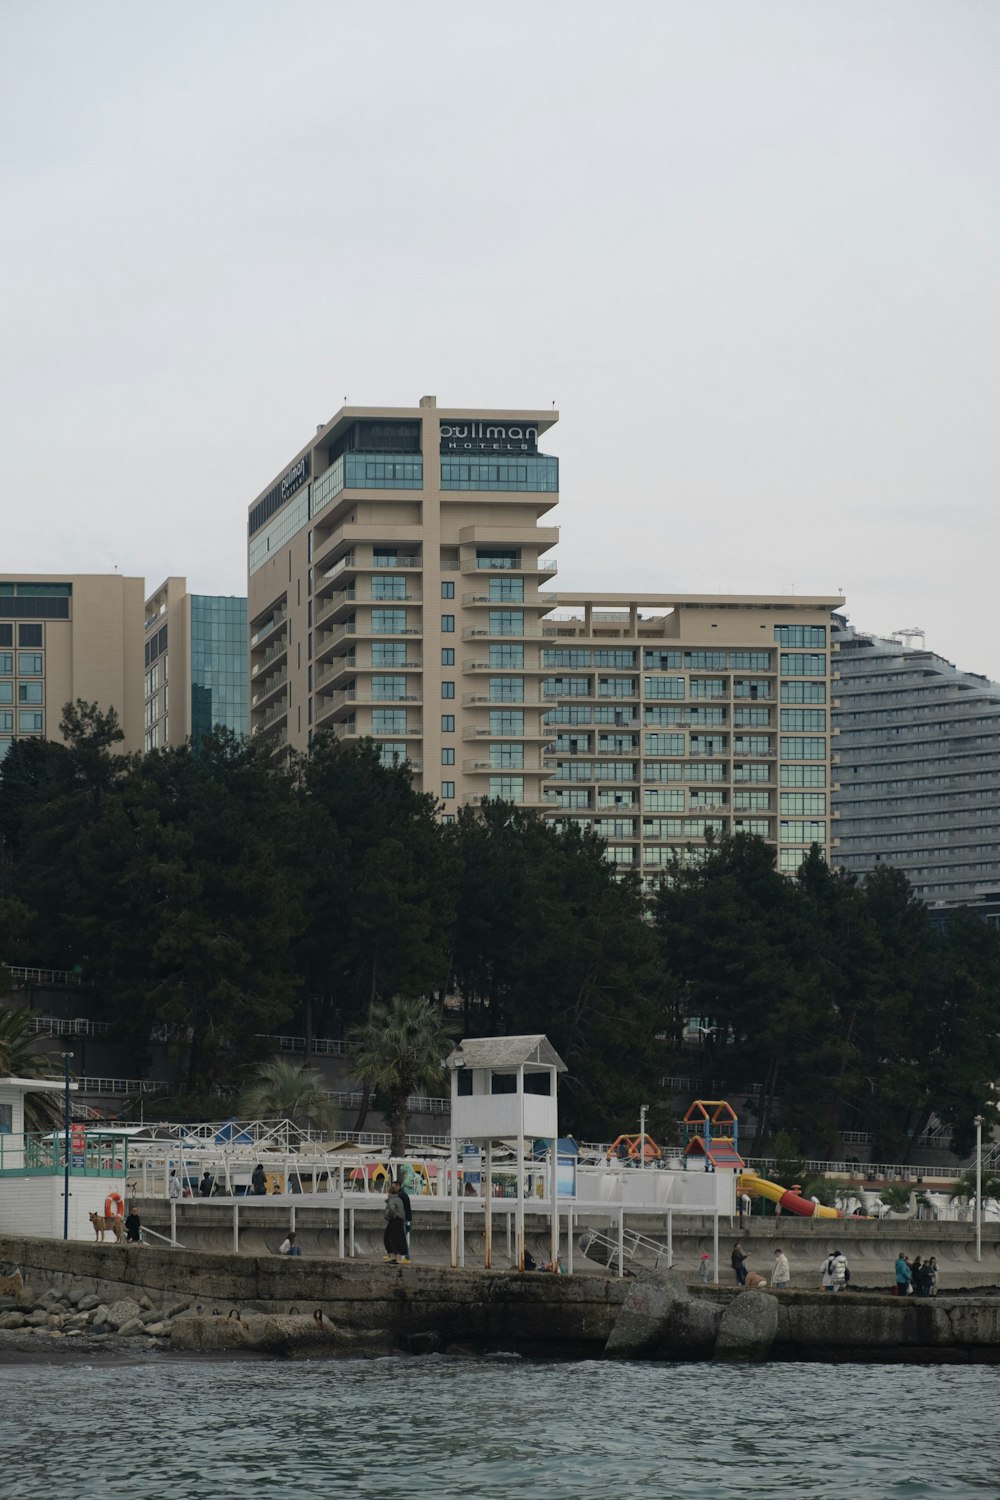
(530, 601)
(368, 471)
(486, 700)
(345, 600)
(269, 687)
(273, 652)
(486, 767)
(279, 711)
(263, 631)
(507, 734)
(526, 632)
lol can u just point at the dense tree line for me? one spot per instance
(217, 897)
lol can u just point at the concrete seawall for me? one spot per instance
(267, 1304)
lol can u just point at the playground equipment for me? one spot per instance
(712, 1131)
(787, 1199)
(634, 1148)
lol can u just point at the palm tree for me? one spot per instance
(283, 1090)
(965, 1186)
(42, 1111)
(400, 1049)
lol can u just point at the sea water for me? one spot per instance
(497, 1427)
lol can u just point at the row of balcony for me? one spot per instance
(263, 631)
(269, 687)
(276, 649)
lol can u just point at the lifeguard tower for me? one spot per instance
(505, 1089)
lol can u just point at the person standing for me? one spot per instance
(404, 1199)
(133, 1226)
(258, 1181)
(903, 1275)
(834, 1270)
(206, 1184)
(781, 1276)
(173, 1187)
(738, 1260)
(932, 1276)
(705, 1268)
(394, 1238)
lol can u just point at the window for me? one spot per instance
(447, 790)
(506, 622)
(508, 788)
(803, 776)
(447, 624)
(388, 622)
(447, 723)
(388, 653)
(7, 721)
(447, 690)
(6, 635)
(617, 687)
(506, 689)
(447, 656)
(388, 721)
(497, 557)
(566, 687)
(566, 656)
(450, 818)
(506, 721)
(801, 664)
(808, 831)
(614, 658)
(804, 804)
(391, 755)
(6, 662)
(506, 656)
(29, 635)
(800, 635)
(388, 688)
(804, 749)
(29, 692)
(28, 722)
(447, 590)
(803, 692)
(664, 687)
(507, 756)
(29, 663)
(448, 756)
(760, 827)
(803, 718)
(663, 800)
(6, 692)
(664, 744)
(388, 586)
(504, 589)
(751, 718)
(751, 802)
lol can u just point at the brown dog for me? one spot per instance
(101, 1224)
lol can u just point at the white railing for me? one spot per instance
(42, 976)
(52, 1026)
(121, 1086)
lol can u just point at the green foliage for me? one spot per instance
(401, 1050)
(964, 1186)
(19, 1058)
(896, 1196)
(281, 1090)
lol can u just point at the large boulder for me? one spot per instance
(122, 1312)
(749, 1327)
(661, 1316)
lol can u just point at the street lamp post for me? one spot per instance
(66, 1056)
(642, 1134)
(978, 1122)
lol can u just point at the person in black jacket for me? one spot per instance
(739, 1262)
(132, 1227)
(258, 1181)
(404, 1199)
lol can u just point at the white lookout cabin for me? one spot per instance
(505, 1088)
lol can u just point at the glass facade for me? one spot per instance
(534, 472)
(218, 664)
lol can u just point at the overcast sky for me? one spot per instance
(749, 249)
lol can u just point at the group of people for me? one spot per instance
(916, 1277)
(834, 1272)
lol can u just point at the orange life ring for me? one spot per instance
(114, 1207)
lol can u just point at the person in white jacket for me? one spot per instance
(781, 1276)
(834, 1270)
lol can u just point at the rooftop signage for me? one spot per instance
(488, 437)
(296, 475)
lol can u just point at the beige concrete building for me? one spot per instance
(195, 665)
(396, 572)
(677, 716)
(68, 636)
